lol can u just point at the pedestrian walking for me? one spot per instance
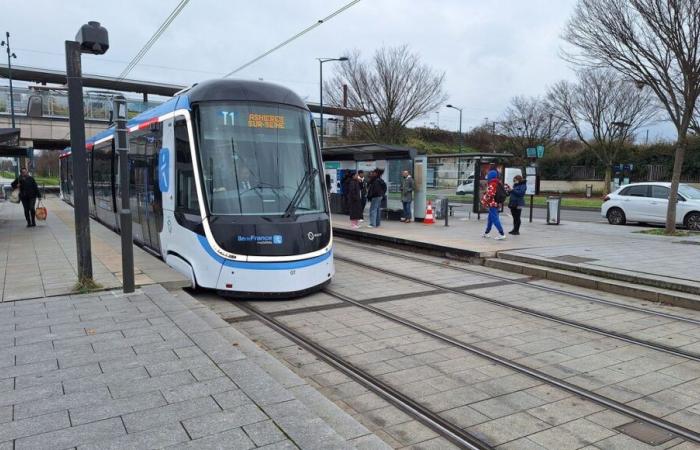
(494, 196)
(517, 202)
(355, 200)
(407, 186)
(28, 194)
(375, 193)
(363, 192)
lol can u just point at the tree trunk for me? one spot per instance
(675, 180)
(608, 179)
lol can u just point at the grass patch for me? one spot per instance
(86, 285)
(48, 181)
(662, 232)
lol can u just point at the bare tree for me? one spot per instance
(603, 111)
(655, 43)
(395, 87)
(530, 121)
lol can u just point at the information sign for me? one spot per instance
(540, 151)
(531, 152)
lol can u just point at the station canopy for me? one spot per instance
(367, 152)
(9, 144)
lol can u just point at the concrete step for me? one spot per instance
(651, 280)
(630, 289)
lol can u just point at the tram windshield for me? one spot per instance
(258, 159)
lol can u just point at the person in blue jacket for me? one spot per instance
(517, 202)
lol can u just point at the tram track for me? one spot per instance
(541, 376)
(539, 314)
(550, 289)
(404, 403)
(433, 420)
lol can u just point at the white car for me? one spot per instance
(466, 186)
(648, 202)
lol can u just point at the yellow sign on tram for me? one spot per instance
(265, 121)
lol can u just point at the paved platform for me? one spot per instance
(41, 261)
(150, 370)
(604, 247)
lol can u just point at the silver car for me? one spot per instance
(648, 202)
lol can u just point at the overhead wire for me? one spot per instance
(168, 20)
(296, 36)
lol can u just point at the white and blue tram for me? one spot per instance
(225, 185)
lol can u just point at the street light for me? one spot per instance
(461, 138)
(10, 55)
(320, 65)
(91, 38)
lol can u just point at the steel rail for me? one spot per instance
(432, 420)
(605, 401)
(542, 315)
(523, 283)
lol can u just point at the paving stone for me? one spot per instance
(508, 428)
(118, 376)
(34, 425)
(216, 347)
(230, 439)
(565, 410)
(284, 445)
(29, 394)
(129, 388)
(264, 433)
(410, 433)
(454, 398)
(464, 416)
(305, 430)
(114, 408)
(223, 421)
(133, 360)
(160, 437)
(232, 399)
(28, 369)
(199, 389)
(178, 365)
(74, 436)
(57, 375)
(373, 442)
(572, 435)
(81, 358)
(256, 383)
(151, 418)
(506, 404)
(61, 402)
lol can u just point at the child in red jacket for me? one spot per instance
(489, 201)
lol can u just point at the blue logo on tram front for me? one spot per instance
(164, 169)
(275, 239)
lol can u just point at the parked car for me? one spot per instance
(648, 202)
(467, 186)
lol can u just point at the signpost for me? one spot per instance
(531, 174)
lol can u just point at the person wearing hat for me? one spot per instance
(491, 200)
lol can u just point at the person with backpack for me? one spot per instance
(375, 193)
(494, 196)
(517, 202)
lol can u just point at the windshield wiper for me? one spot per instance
(300, 192)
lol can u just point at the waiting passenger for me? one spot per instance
(375, 193)
(407, 186)
(492, 199)
(355, 200)
(517, 202)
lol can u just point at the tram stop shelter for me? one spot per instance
(448, 171)
(343, 159)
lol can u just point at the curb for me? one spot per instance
(471, 256)
(635, 289)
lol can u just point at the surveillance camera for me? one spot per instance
(93, 38)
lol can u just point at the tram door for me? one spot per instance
(145, 196)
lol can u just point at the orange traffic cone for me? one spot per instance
(429, 219)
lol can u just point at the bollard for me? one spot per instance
(446, 211)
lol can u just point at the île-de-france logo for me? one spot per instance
(164, 169)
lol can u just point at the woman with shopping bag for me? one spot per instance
(28, 194)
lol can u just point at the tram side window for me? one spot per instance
(186, 188)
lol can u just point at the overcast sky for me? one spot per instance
(490, 51)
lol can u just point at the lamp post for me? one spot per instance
(93, 39)
(461, 138)
(320, 65)
(10, 55)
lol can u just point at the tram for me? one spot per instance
(225, 186)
